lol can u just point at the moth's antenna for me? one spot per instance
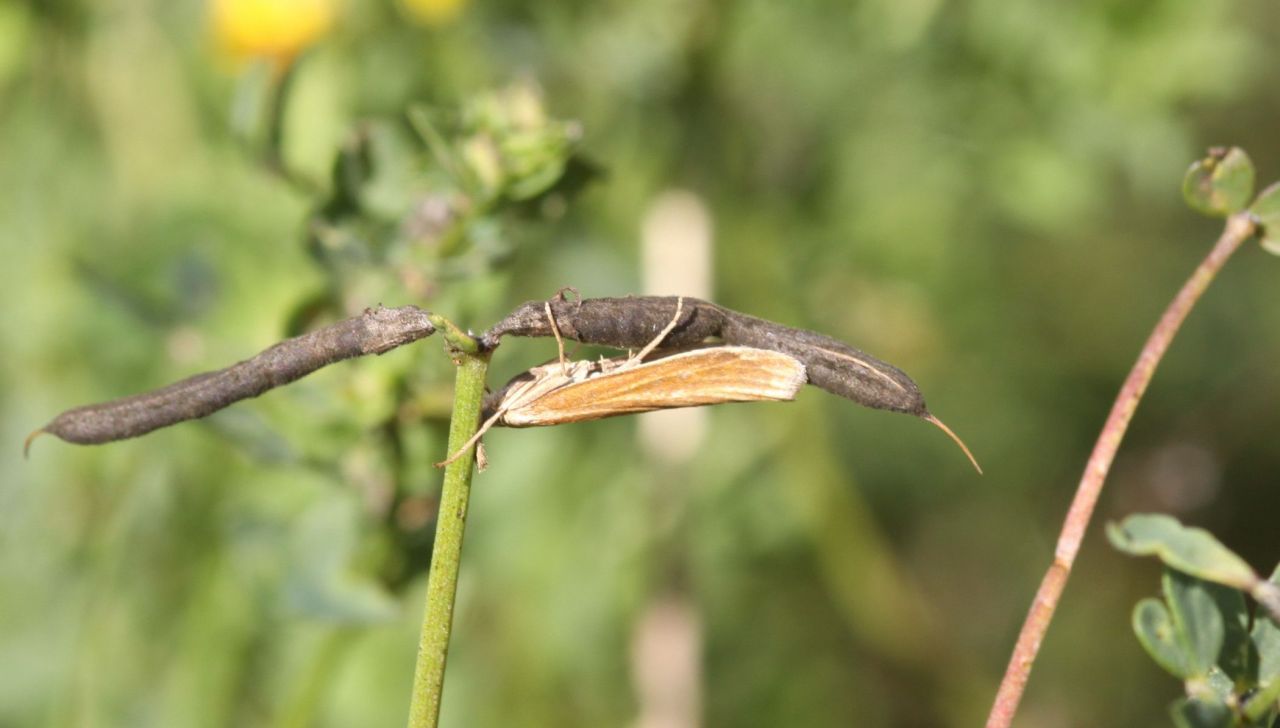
(474, 439)
(564, 367)
(928, 417)
(663, 334)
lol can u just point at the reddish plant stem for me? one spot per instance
(1239, 227)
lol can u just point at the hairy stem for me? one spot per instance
(1239, 227)
(442, 583)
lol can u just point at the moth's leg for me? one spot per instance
(648, 349)
(560, 295)
(474, 438)
(564, 366)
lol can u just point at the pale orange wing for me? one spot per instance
(688, 379)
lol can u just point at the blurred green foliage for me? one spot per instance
(1221, 183)
(1203, 632)
(985, 193)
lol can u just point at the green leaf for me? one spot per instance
(483, 164)
(1197, 623)
(1219, 685)
(396, 175)
(1234, 658)
(1221, 183)
(1263, 705)
(535, 160)
(422, 119)
(1192, 551)
(1267, 209)
(321, 583)
(536, 180)
(1154, 627)
(1266, 640)
(1200, 713)
(16, 39)
(254, 436)
(352, 169)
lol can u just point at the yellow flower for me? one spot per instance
(277, 29)
(433, 12)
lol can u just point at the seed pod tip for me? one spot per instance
(928, 417)
(26, 444)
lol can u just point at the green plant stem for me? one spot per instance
(1239, 227)
(442, 583)
(1267, 595)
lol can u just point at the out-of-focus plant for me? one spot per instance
(415, 201)
(758, 107)
(1203, 632)
(434, 12)
(427, 198)
(1220, 185)
(272, 29)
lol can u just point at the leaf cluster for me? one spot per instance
(1203, 631)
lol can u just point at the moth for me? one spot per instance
(829, 364)
(575, 391)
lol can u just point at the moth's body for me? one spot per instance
(574, 391)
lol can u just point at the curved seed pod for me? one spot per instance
(624, 323)
(630, 322)
(375, 331)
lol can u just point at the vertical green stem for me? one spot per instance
(442, 583)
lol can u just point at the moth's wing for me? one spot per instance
(688, 379)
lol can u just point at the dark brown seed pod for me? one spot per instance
(623, 323)
(629, 323)
(376, 331)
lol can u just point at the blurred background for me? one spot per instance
(985, 193)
